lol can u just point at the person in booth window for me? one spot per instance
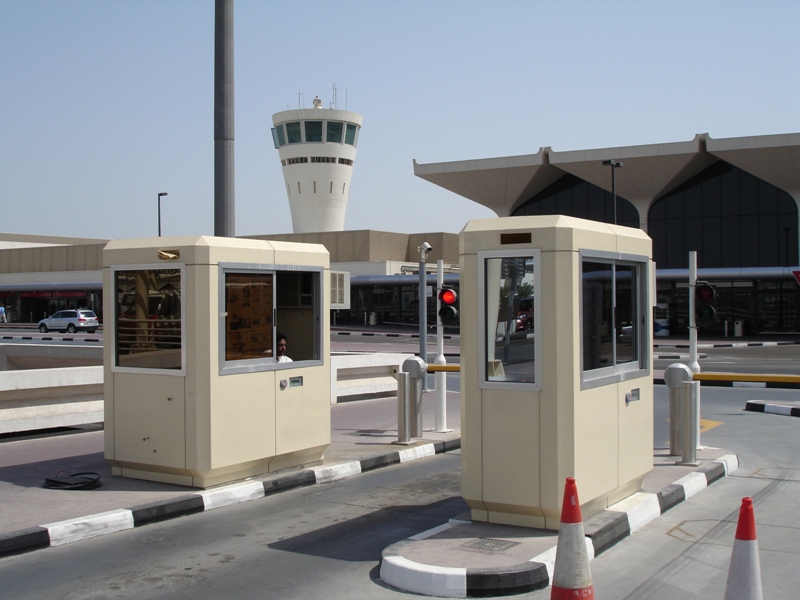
(281, 349)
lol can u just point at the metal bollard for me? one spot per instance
(676, 376)
(689, 417)
(416, 369)
(403, 409)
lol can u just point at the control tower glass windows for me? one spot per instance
(350, 135)
(313, 131)
(278, 136)
(293, 134)
(334, 133)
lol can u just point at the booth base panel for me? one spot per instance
(540, 517)
(221, 475)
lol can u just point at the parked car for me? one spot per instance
(70, 321)
(525, 314)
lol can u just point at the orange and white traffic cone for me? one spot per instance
(744, 574)
(571, 575)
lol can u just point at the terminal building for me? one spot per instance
(734, 201)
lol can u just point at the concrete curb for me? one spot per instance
(84, 528)
(602, 531)
(774, 409)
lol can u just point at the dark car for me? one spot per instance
(525, 314)
(70, 321)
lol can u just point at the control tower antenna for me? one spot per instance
(334, 103)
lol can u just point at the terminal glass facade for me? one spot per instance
(578, 198)
(731, 218)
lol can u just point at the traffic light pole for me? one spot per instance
(440, 377)
(693, 365)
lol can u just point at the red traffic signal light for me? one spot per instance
(448, 312)
(705, 293)
(705, 313)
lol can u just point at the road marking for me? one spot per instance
(706, 425)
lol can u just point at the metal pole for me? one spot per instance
(403, 409)
(423, 302)
(614, 190)
(693, 364)
(159, 211)
(614, 164)
(223, 121)
(689, 417)
(440, 377)
(423, 311)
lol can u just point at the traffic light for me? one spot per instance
(448, 302)
(704, 313)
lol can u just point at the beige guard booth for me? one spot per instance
(569, 395)
(194, 393)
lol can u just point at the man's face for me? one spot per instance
(281, 347)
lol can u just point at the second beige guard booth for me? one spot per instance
(196, 392)
(556, 361)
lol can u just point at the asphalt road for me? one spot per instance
(325, 541)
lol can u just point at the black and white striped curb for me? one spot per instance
(773, 409)
(734, 344)
(602, 531)
(84, 528)
(49, 338)
(386, 334)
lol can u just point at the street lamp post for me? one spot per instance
(159, 211)
(614, 164)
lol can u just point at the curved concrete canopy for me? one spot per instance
(649, 171)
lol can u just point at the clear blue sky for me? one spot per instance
(105, 103)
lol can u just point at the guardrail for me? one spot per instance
(747, 377)
(444, 368)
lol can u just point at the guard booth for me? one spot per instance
(570, 394)
(195, 392)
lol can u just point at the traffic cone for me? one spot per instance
(572, 578)
(744, 574)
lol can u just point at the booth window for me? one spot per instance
(612, 318)
(258, 304)
(510, 318)
(248, 321)
(148, 318)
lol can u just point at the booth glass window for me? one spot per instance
(510, 318)
(148, 330)
(613, 316)
(260, 304)
(248, 322)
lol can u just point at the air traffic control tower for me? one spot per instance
(317, 148)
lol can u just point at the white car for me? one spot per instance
(70, 321)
